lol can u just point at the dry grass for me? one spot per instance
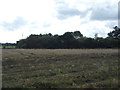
(60, 68)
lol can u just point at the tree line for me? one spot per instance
(7, 45)
(70, 40)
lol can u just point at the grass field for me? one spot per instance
(10, 47)
(60, 68)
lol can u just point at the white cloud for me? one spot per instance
(39, 16)
(111, 24)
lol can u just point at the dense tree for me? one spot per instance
(77, 34)
(115, 33)
(70, 40)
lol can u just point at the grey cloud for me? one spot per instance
(104, 12)
(17, 23)
(119, 14)
(64, 11)
(67, 12)
(119, 10)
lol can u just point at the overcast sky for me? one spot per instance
(20, 18)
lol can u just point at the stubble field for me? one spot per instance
(60, 68)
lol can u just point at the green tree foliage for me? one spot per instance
(115, 33)
(77, 34)
(70, 40)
